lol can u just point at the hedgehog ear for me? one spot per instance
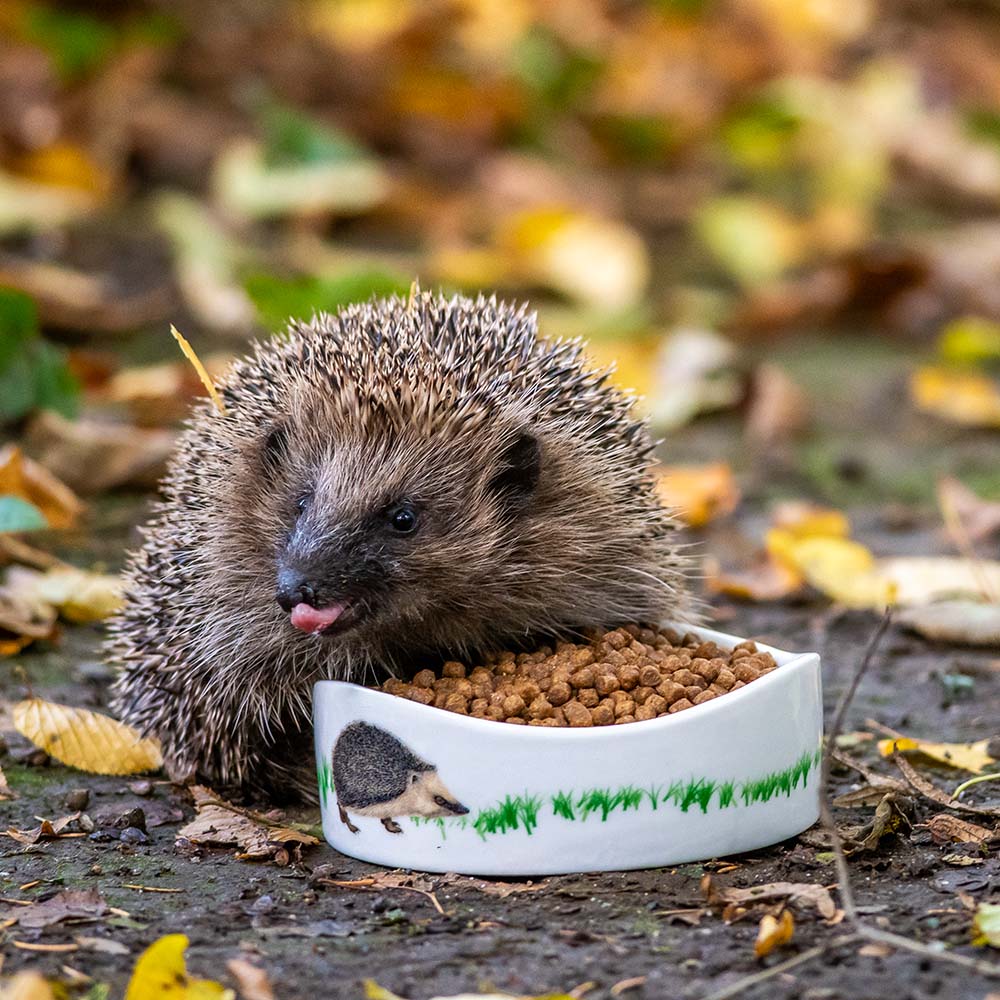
(274, 446)
(520, 468)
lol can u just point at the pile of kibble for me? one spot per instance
(630, 674)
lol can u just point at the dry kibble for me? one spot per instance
(607, 684)
(649, 677)
(629, 674)
(602, 715)
(576, 714)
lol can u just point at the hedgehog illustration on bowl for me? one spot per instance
(374, 774)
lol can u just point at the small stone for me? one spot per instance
(133, 835)
(77, 800)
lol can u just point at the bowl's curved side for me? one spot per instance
(732, 775)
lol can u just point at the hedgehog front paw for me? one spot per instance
(392, 826)
(345, 819)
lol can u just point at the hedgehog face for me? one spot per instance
(370, 533)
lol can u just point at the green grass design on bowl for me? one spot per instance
(522, 812)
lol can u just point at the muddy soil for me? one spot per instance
(558, 934)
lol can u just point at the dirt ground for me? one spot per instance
(566, 932)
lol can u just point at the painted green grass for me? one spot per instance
(515, 812)
(325, 775)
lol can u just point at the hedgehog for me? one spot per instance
(374, 774)
(410, 480)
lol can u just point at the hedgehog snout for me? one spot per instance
(293, 589)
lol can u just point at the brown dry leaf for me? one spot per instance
(489, 888)
(930, 791)
(946, 829)
(892, 816)
(972, 757)
(698, 493)
(22, 477)
(779, 409)
(961, 860)
(93, 457)
(74, 825)
(71, 904)
(773, 933)
(763, 581)
(86, 740)
(26, 617)
(808, 893)
(220, 824)
(251, 980)
(956, 395)
(980, 518)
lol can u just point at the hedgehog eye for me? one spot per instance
(303, 500)
(403, 519)
(440, 800)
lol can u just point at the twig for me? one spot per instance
(843, 872)
(763, 975)
(939, 796)
(974, 781)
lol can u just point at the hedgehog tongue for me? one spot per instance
(310, 619)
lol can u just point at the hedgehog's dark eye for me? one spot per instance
(440, 800)
(403, 519)
(303, 500)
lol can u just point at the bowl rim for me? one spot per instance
(724, 703)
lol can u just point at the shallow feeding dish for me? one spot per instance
(436, 791)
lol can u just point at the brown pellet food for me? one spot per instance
(629, 674)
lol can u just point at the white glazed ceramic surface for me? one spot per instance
(735, 774)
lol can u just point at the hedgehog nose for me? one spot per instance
(293, 589)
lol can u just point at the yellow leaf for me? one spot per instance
(970, 340)
(804, 519)
(633, 363)
(966, 756)
(699, 493)
(160, 972)
(591, 259)
(26, 986)
(773, 933)
(80, 596)
(957, 396)
(842, 569)
(86, 740)
(986, 925)
(65, 165)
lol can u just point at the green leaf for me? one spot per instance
(19, 515)
(78, 43)
(33, 373)
(292, 137)
(278, 300)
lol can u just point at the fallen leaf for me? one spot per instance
(808, 893)
(773, 933)
(22, 477)
(26, 986)
(591, 259)
(926, 579)
(220, 824)
(970, 340)
(74, 825)
(804, 519)
(930, 791)
(980, 518)
(971, 623)
(94, 457)
(86, 740)
(106, 946)
(698, 493)
(946, 829)
(251, 980)
(765, 580)
(839, 567)
(875, 949)
(78, 595)
(71, 904)
(161, 972)
(986, 925)
(961, 860)
(972, 757)
(779, 409)
(17, 515)
(956, 395)
(892, 816)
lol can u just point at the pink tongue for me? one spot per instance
(311, 619)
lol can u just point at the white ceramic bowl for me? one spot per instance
(435, 791)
